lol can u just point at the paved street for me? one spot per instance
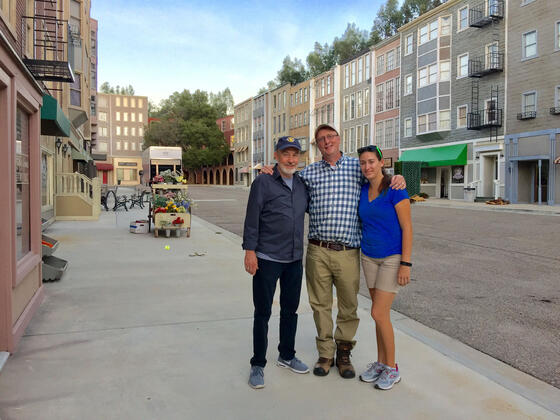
(488, 279)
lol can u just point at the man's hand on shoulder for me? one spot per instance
(267, 169)
(398, 182)
(251, 262)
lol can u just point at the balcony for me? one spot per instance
(555, 110)
(485, 119)
(49, 58)
(489, 63)
(527, 115)
(485, 13)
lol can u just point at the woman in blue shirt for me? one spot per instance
(386, 249)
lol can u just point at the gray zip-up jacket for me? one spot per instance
(275, 217)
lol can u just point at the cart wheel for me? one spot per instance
(188, 232)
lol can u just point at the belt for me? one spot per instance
(335, 246)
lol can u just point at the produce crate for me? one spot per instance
(162, 221)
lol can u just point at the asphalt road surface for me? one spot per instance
(489, 279)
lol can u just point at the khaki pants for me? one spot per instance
(323, 269)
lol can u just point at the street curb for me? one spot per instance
(523, 384)
(489, 208)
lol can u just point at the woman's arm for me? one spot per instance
(405, 220)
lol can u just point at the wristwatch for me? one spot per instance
(406, 263)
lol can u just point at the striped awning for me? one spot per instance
(557, 160)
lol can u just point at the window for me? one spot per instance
(140, 117)
(132, 103)
(462, 65)
(76, 91)
(421, 124)
(423, 34)
(390, 60)
(529, 102)
(557, 36)
(366, 59)
(462, 116)
(133, 131)
(353, 106)
(118, 101)
(530, 44)
(125, 115)
(408, 84)
(346, 107)
(380, 65)
(125, 101)
(118, 145)
(445, 25)
(328, 85)
(397, 92)
(102, 147)
(432, 121)
(379, 132)
(352, 139)
(133, 145)
(408, 127)
(346, 76)
(360, 107)
(422, 77)
(304, 117)
(353, 73)
(322, 87)
(140, 103)
(557, 96)
(141, 131)
(118, 116)
(444, 120)
(389, 94)
(366, 134)
(304, 94)
(22, 180)
(330, 117)
(133, 117)
(433, 30)
(444, 71)
(432, 74)
(103, 131)
(360, 70)
(388, 134)
(125, 131)
(118, 130)
(409, 46)
(102, 116)
(358, 137)
(379, 90)
(463, 18)
(397, 57)
(366, 101)
(491, 58)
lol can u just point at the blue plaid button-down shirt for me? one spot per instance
(334, 193)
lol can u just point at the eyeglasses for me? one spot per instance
(327, 137)
(370, 148)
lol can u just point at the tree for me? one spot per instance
(389, 19)
(223, 102)
(352, 42)
(188, 120)
(107, 88)
(321, 59)
(292, 71)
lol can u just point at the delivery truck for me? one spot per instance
(156, 159)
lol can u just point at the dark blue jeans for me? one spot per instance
(264, 286)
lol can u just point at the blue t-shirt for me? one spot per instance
(381, 231)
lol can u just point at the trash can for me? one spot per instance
(470, 194)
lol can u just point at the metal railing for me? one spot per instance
(527, 115)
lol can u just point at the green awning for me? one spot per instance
(80, 155)
(437, 156)
(53, 120)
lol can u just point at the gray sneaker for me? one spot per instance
(373, 372)
(256, 377)
(388, 378)
(295, 365)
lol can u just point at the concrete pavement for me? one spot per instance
(136, 331)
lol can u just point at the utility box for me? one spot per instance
(470, 194)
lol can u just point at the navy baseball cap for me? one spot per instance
(287, 141)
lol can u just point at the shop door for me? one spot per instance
(444, 183)
(540, 182)
(104, 177)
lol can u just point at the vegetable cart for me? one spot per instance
(170, 209)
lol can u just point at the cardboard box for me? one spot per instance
(139, 226)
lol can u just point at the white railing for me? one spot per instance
(77, 184)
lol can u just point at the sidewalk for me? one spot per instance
(513, 208)
(135, 331)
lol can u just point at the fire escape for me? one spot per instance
(48, 59)
(490, 116)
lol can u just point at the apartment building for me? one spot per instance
(452, 106)
(242, 157)
(532, 140)
(299, 118)
(279, 117)
(355, 100)
(93, 87)
(120, 121)
(259, 130)
(322, 105)
(386, 99)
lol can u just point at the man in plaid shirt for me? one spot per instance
(334, 185)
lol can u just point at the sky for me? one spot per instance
(160, 47)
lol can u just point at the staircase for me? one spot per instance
(77, 197)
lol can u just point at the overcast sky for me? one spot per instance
(160, 47)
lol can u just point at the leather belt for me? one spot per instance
(335, 246)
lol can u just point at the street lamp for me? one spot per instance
(64, 149)
(58, 143)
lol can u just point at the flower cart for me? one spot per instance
(170, 207)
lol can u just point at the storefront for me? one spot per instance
(532, 175)
(21, 289)
(127, 171)
(104, 171)
(445, 172)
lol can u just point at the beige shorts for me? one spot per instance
(382, 273)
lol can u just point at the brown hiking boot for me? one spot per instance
(323, 366)
(343, 363)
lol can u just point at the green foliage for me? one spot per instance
(352, 41)
(125, 90)
(188, 120)
(292, 71)
(387, 22)
(321, 59)
(223, 102)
